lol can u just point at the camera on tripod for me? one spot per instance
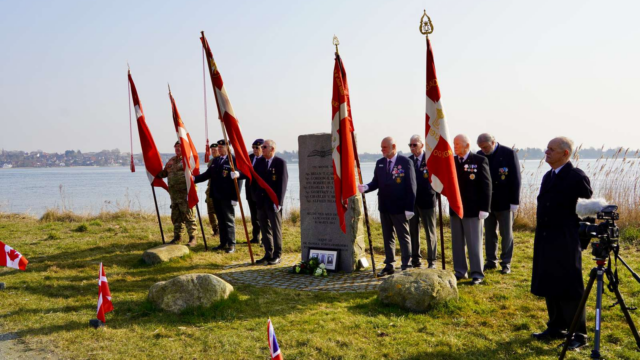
(606, 231)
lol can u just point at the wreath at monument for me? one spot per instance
(310, 267)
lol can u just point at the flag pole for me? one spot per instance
(441, 231)
(202, 228)
(336, 42)
(158, 213)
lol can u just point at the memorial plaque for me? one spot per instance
(320, 226)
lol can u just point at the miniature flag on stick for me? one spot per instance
(344, 173)
(274, 349)
(9, 257)
(104, 295)
(190, 160)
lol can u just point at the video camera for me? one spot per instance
(606, 231)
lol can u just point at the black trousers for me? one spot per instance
(561, 313)
(226, 215)
(255, 221)
(271, 226)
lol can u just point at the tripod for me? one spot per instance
(598, 273)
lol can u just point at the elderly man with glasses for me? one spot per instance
(425, 207)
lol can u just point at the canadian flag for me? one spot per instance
(437, 147)
(104, 295)
(9, 257)
(190, 160)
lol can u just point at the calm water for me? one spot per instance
(90, 190)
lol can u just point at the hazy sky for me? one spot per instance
(525, 71)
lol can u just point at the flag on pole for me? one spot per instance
(438, 144)
(190, 160)
(274, 349)
(150, 154)
(227, 116)
(9, 257)
(104, 295)
(344, 174)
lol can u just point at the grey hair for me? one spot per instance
(486, 137)
(462, 137)
(565, 143)
(417, 138)
(270, 142)
(390, 140)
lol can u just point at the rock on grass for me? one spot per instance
(191, 290)
(418, 289)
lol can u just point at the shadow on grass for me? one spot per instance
(511, 349)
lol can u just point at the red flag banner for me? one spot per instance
(150, 154)
(227, 116)
(104, 295)
(9, 257)
(190, 160)
(344, 174)
(438, 143)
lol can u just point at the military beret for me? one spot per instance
(258, 142)
(214, 145)
(222, 142)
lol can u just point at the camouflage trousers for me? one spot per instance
(181, 214)
(213, 220)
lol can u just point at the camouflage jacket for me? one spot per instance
(177, 182)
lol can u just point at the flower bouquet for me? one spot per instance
(310, 267)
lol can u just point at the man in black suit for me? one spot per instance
(273, 170)
(505, 198)
(395, 180)
(425, 208)
(255, 223)
(223, 193)
(474, 182)
(557, 258)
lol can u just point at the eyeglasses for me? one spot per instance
(413, 145)
(264, 146)
(256, 147)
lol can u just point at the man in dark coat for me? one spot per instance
(425, 208)
(255, 223)
(557, 258)
(223, 193)
(474, 182)
(395, 180)
(273, 170)
(505, 198)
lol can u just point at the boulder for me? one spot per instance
(164, 253)
(187, 291)
(418, 289)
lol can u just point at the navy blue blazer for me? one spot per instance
(222, 186)
(276, 176)
(396, 189)
(474, 182)
(248, 189)
(425, 195)
(504, 168)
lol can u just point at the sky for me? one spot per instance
(525, 71)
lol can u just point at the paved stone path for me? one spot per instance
(278, 276)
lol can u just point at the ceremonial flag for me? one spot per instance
(344, 174)
(150, 154)
(104, 295)
(190, 161)
(9, 257)
(227, 116)
(274, 349)
(438, 144)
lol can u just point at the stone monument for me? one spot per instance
(320, 226)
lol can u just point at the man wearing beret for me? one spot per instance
(255, 223)
(210, 208)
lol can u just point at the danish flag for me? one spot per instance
(104, 295)
(437, 147)
(274, 349)
(190, 161)
(9, 257)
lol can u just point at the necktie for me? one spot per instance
(389, 166)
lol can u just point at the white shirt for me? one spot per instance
(463, 159)
(558, 169)
(269, 163)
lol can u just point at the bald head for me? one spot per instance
(558, 151)
(388, 147)
(461, 145)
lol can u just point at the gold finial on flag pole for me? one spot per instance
(426, 27)
(336, 42)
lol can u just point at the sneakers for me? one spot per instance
(274, 261)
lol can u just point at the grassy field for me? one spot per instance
(49, 305)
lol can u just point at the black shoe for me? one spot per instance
(490, 266)
(216, 232)
(405, 267)
(476, 281)
(576, 344)
(230, 250)
(174, 241)
(550, 334)
(386, 271)
(255, 241)
(431, 265)
(220, 247)
(274, 261)
(417, 265)
(264, 260)
(458, 278)
(505, 270)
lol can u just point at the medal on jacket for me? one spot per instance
(224, 173)
(398, 173)
(472, 176)
(503, 172)
(273, 176)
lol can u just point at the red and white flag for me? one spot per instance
(150, 154)
(274, 348)
(9, 257)
(190, 160)
(104, 295)
(344, 173)
(438, 144)
(228, 117)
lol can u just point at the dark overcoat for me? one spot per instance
(425, 195)
(221, 186)
(504, 168)
(396, 189)
(276, 176)
(474, 183)
(557, 256)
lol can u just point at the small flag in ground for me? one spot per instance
(9, 257)
(104, 295)
(273, 343)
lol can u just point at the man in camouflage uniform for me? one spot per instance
(180, 212)
(210, 208)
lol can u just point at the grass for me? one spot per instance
(49, 305)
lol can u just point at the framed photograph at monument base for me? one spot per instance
(327, 257)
